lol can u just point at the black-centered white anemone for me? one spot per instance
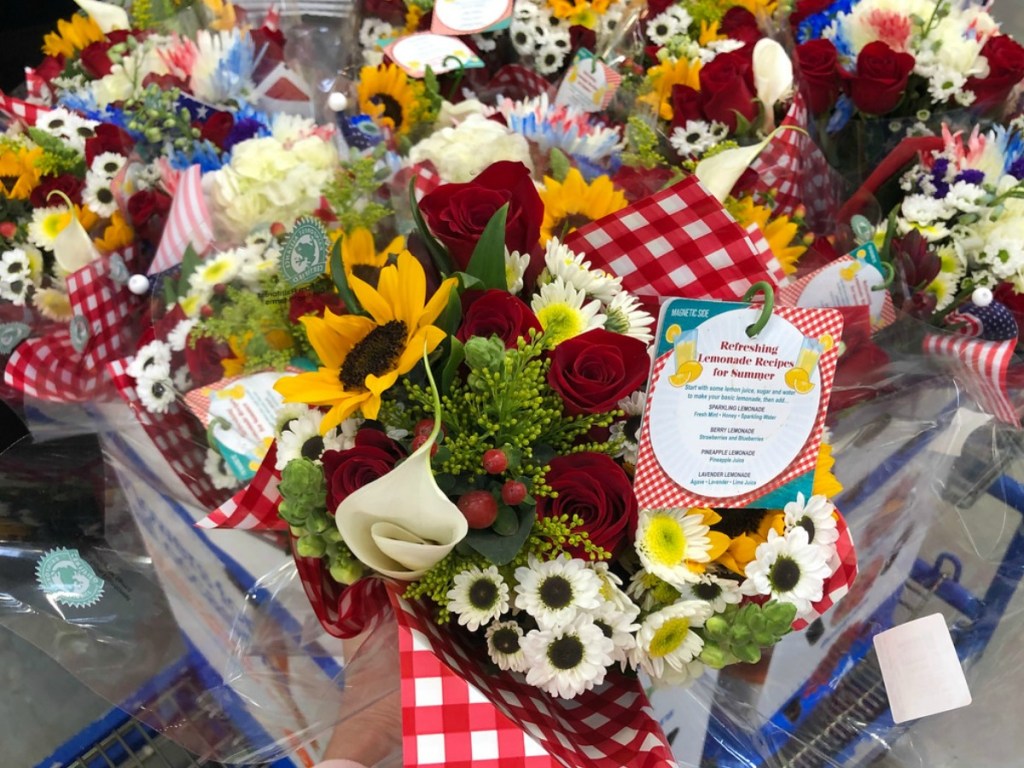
(156, 394)
(790, 569)
(555, 592)
(568, 661)
(152, 361)
(504, 645)
(716, 591)
(816, 516)
(300, 438)
(478, 597)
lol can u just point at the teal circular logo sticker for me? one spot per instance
(66, 578)
(304, 256)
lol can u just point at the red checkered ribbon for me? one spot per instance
(188, 223)
(981, 365)
(764, 248)
(655, 489)
(20, 110)
(36, 86)
(447, 720)
(518, 82)
(839, 583)
(50, 367)
(678, 242)
(255, 506)
(177, 434)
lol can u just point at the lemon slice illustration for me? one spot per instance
(826, 341)
(673, 333)
(686, 373)
(798, 380)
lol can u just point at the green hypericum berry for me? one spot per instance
(310, 546)
(346, 572)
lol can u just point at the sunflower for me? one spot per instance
(18, 172)
(116, 235)
(72, 35)
(780, 231)
(760, 8)
(387, 96)
(361, 258)
(825, 483)
(663, 77)
(582, 13)
(572, 203)
(363, 356)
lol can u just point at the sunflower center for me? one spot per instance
(506, 640)
(739, 521)
(312, 448)
(785, 574)
(669, 637)
(566, 652)
(569, 223)
(560, 322)
(483, 593)
(707, 590)
(556, 592)
(392, 108)
(808, 525)
(665, 541)
(376, 354)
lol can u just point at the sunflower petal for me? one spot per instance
(377, 386)
(405, 290)
(437, 302)
(372, 299)
(424, 340)
(315, 388)
(333, 336)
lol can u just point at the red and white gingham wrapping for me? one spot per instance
(20, 110)
(789, 295)
(982, 366)
(427, 179)
(678, 242)
(764, 248)
(608, 727)
(839, 583)
(656, 490)
(177, 434)
(36, 86)
(255, 506)
(518, 82)
(188, 223)
(50, 368)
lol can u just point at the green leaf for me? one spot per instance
(507, 522)
(560, 164)
(341, 280)
(189, 264)
(451, 366)
(170, 291)
(452, 316)
(438, 253)
(467, 282)
(502, 550)
(487, 263)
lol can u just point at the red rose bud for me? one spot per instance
(419, 440)
(881, 78)
(51, 67)
(217, 129)
(424, 427)
(495, 461)
(305, 302)
(740, 24)
(596, 369)
(496, 313)
(95, 59)
(594, 487)
(1005, 69)
(203, 356)
(818, 65)
(513, 492)
(479, 507)
(373, 456)
(686, 105)
(727, 88)
(66, 183)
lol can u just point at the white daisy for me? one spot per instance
(107, 164)
(554, 592)
(217, 470)
(156, 394)
(923, 209)
(152, 361)
(478, 597)
(68, 127)
(182, 379)
(966, 197)
(221, 269)
(15, 290)
(683, 675)
(565, 312)
(516, 264)
(667, 540)
(347, 432)
(626, 315)
(789, 568)
(46, 223)
(178, 337)
(504, 639)
(619, 626)
(549, 57)
(716, 591)
(484, 43)
(611, 591)
(98, 195)
(695, 137)
(564, 264)
(375, 31)
(670, 23)
(301, 439)
(568, 661)
(14, 264)
(816, 516)
(667, 639)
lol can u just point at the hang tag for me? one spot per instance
(853, 280)
(920, 669)
(304, 256)
(589, 84)
(730, 420)
(468, 17)
(414, 53)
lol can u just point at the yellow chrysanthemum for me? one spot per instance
(361, 257)
(388, 96)
(71, 36)
(224, 17)
(780, 231)
(117, 235)
(709, 33)
(18, 172)
(572, 203)
(583, 13)
(52, 304)
(663, 77)
(413, 17)
(760, 8)
(825, 483)
(362, 357)
(743, 546)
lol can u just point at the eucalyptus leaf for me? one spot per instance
(487, 263)
(502, 550)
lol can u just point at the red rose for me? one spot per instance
(108, 138)
(66, 183)
(596, 369)
(1005, 69)
(740, 24)
(805, 8)
(458, 213)
(497, 313)
(686, 105)
(95, 59)
(51, 67)
(203, 358)
(217, 129)
(881, 78)
(148, 213)
(818, 64)
(373, 456)
(305, 302)
(595, 488)
(727, 88)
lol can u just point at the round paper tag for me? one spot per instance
(462, 17)
(846, 284)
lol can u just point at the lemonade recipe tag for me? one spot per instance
(465, 17)
(733, 420)
(414, 53)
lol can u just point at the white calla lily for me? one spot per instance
(720, 172)
(773, 77)
(107, 17)
(402, 524)
(72, 247)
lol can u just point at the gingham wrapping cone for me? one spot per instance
(608, 727)
(518, 82)
(839, 583)
(177, 434)
(678, 242)
(20, 110)
(50, 367)
(254, 508)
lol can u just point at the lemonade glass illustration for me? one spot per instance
(684, 348)
(799, 378)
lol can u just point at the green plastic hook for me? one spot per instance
(766, 289)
